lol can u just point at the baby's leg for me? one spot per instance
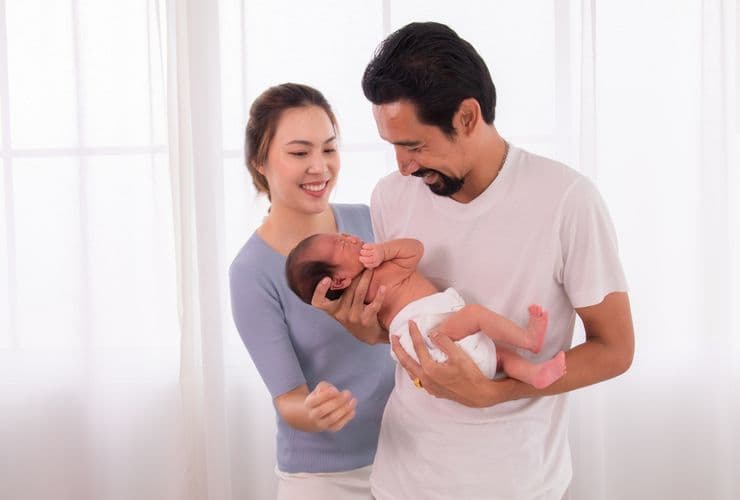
(474, 317)
(537, 375)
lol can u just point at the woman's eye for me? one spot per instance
(299, 153)
(329, 150)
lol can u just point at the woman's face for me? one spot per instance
(302, 161)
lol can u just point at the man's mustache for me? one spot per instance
(445, 186)
(421, 172)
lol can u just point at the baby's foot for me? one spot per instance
(536, 328)
(550, 371)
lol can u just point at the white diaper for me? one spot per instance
(427, 313)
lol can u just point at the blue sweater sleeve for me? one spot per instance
(260, 319)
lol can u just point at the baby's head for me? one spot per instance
(321, 255)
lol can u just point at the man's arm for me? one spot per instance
(606, 353)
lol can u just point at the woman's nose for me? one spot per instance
(318, 165)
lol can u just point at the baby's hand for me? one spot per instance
(371, 255)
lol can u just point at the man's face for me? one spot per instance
(421, 150)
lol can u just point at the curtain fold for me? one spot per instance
(715, 233)
(197, 193)
(587, 420)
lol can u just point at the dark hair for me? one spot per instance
(264, 116)
(303, 275)
(435, 69)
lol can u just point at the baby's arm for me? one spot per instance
(405, 252)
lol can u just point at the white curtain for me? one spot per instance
(124, 198)
(660, 90)
(89, 341)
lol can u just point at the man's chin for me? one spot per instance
(445, 189)
(442, 185)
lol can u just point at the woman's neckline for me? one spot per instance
(338, 226)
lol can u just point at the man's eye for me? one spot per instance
(329, 150)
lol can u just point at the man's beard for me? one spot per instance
(444, 185)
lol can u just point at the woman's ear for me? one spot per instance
(340, 282)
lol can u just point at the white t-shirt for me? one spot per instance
(539, 234)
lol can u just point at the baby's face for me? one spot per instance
(340, 250)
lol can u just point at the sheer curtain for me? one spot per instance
(89, 341)
(660, 90)
(124, 198)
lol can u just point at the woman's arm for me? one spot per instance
(324, 408)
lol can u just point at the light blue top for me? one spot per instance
(292, 344)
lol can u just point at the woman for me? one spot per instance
(329, 389)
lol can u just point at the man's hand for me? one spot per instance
(329, 409)
(351, 311)
(372, 255)
(457, 379)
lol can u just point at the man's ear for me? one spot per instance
(340, 282)
(467, 117)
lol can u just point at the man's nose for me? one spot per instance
(406, 165)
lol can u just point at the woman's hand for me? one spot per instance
(328, 408)
(324, 408)
(360, 319)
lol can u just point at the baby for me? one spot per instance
(411, 296)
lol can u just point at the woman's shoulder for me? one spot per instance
(354, 219)
(356, 211)
(255, 261)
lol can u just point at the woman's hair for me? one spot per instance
(303, 275)
(264, 116)
(435, 69)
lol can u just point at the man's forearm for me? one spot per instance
(607, 352)
(587, 364)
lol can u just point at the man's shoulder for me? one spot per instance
(545, 176)
(545, 167)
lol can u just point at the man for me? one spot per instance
(506, 228)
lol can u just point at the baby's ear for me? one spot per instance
(340, 282)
